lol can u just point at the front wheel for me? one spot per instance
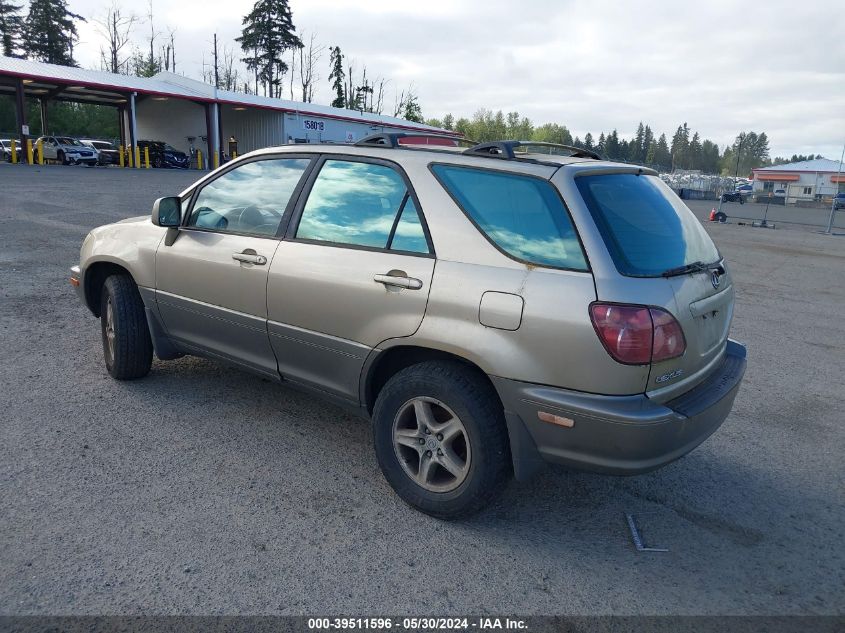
(127, 347)
(441, 439)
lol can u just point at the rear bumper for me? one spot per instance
(623, 435)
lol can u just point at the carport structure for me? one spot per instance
(188, 114)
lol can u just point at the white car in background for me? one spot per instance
(66, 150)
(6, 149)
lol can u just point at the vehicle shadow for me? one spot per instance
(713, 492)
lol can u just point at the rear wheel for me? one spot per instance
(60, 156)
(127, 347)
(157, 162)
(441, 440)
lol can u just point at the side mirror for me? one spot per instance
(167, 212)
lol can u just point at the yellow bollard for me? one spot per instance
(137, 157)
(29, 151)
(216, 160)
(147, 157)
(234, 155)
(40, 145)
(14, 152)
(120, 149)
(199, 159)
(129, 156)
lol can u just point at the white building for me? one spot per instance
(186, 113)
(803, 181)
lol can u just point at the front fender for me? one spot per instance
(129, 244)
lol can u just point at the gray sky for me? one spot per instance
(592, 65)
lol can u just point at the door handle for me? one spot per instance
(250, 258)
(410, 283)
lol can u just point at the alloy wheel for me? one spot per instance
(431, 444)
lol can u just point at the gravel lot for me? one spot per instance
(201, 489)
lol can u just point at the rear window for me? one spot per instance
(522, 215)
(646, 228)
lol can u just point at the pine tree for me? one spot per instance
(11, 28)
(694, 152)
(601, 144)
(662, 154)
(651, 153)
(51, 32)
(679, 147)
(648, 141)
(612, 146)
(637, 149)
(588, 141)
(337, 76)
(268, 32)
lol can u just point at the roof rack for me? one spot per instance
(505, 149)
(391, 139)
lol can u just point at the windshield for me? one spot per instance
(169, 148)
(646, 227)
(64, 140)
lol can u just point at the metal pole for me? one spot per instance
(20, 114)
(833, 204)
(738, 152)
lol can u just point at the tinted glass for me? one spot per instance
(646, 227)
(249, 199)
(409, 235)
(524, 216)
(352, 203)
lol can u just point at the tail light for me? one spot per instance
(637, 335)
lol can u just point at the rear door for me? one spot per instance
(211, 283)
(650, 235)
(354, 270)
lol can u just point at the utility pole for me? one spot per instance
(216, 75)
(833, 204)
(738, 152)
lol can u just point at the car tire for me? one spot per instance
(127, 347)
(60, 156)
(157, 162)
(418, 403)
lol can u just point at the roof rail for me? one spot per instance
(505, 149)
(391, 139)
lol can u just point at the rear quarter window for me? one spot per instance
(522, 215)
(647, 229)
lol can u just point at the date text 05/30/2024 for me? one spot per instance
(416, 624)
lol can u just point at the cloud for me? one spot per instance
(593, 66)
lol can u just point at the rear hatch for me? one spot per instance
(662, 257)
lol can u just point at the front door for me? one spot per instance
(354, 270)
(211, 282)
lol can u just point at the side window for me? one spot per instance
(357, 204)
(522, 215)
(249, 199)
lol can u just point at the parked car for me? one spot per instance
(164, 155)
(488, 310)
(734, 196)
(108, 153)
(6, 150)
(839, 201)
(780, 193)
(66, 150)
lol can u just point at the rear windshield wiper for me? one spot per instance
(686, 269)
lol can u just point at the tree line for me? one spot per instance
(685, 150)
